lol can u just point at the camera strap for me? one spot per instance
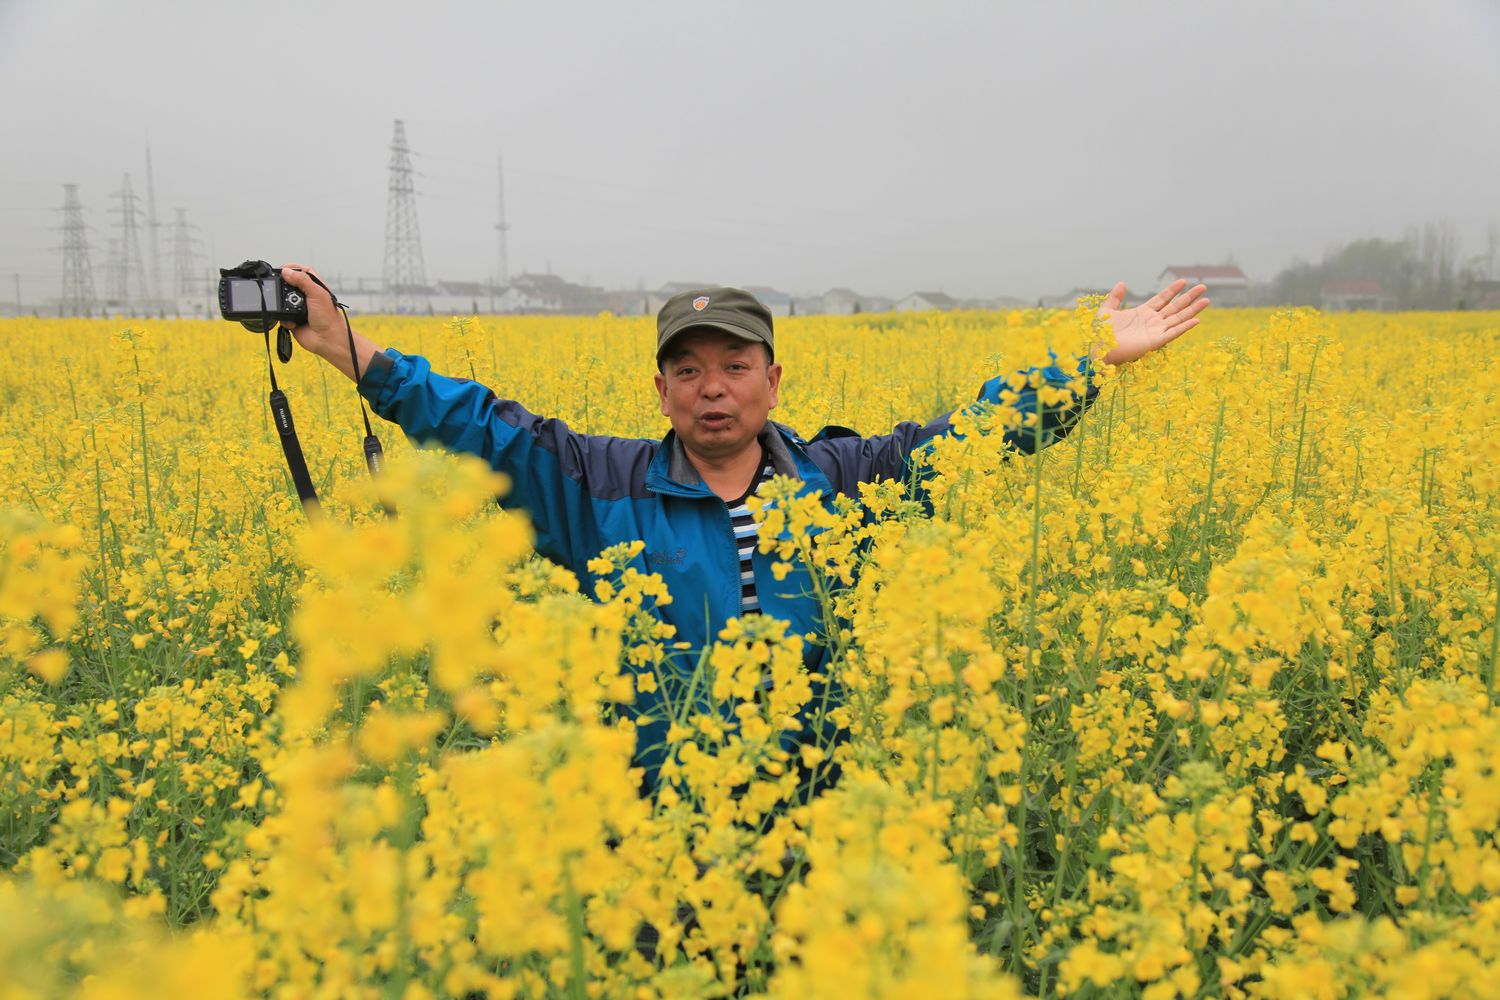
(374, 454)
(281, 410)
(281, 413)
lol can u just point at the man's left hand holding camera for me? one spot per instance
(324, 333)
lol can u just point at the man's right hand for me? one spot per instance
(324, 329)
(1154, 323)
(324, 334)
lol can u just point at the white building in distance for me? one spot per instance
(1227, 284)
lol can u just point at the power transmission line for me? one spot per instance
(405, 276)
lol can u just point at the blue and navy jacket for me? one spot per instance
(584, 493)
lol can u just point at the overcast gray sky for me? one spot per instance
(979, 149)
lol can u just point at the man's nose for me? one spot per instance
(712, 386)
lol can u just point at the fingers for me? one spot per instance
(1185, 320)
(301, 267)
(1183, 301)
(298, 276)
(1192, 310)
(298, 279)
(322, 327)
(1166, 295)
(1178, 331)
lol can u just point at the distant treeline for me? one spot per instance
(1422, 271)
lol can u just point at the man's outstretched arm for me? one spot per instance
(849, 459)
(554, 471)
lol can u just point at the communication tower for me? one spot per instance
(129, 285)
(405, 276)
(503, 278)
(78, 273)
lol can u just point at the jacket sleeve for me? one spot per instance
(555, 473)
(848, 459)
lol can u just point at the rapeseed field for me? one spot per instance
(1198, 701)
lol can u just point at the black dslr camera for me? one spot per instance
(254, 296)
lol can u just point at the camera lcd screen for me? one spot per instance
(244, 295)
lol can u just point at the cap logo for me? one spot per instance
(700, 303)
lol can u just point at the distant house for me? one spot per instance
(463, 298)
(780, 303)
(847, 302)
(584, 300)
(843, 302)
(547, 293)
(628, 303)
(532, 293)
(925, 301)
(1351, 294)
(808, 305)
(1227, 284)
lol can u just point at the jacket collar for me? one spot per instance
(673, 474)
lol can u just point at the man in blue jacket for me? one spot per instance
(718, 380)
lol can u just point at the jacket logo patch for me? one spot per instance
(700, 303)
(663, 559)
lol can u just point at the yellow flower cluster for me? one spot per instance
(1199, 700)
(39, 570)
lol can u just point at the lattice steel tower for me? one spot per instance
(129, 273)
(189, 279)
(78, 273)
(405, 276)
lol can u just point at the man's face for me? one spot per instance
(717, 390)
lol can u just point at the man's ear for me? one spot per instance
(661, 391)
(773, 375)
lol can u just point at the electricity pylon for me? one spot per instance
(130, 288)
(405, 276)
(185, 257)
(78, 272)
